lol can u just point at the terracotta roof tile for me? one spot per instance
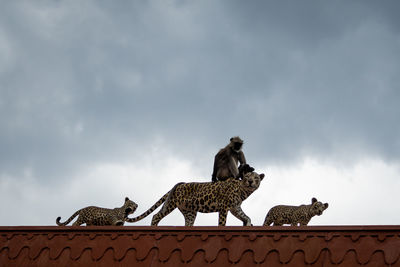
(197, 246)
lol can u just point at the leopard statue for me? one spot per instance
(219, 196)
(294, 215)
(101, 216)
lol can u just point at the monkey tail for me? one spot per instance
(154, 207)
(67, 221)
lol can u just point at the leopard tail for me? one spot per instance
(67, 221)
(154, 207)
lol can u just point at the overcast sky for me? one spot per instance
(100, 100)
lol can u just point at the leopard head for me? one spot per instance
(252, 180)
(129, 206)
(317, 207)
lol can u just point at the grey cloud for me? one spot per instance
(99, 81)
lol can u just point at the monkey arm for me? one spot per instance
(233, 167)
(215, 169)
(241, 157)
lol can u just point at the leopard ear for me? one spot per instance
(262, 176)
(326, 205)
(313, 200)
(126, 198)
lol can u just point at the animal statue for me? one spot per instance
(294, 215)
(226, 160)
(243, 169)
(221, 197)
(101, 216)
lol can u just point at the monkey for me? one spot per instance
(226, 160)
(243, 169)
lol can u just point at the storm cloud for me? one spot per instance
(142, 86)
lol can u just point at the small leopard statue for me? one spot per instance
(294, 215)
(101, 216)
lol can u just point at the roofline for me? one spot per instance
(265, 229)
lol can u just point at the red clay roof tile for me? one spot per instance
(197, 246)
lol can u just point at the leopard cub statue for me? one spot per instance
(219, 196)
(101, 216)
(294, 215)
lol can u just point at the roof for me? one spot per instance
(198, 246)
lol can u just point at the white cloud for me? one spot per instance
(365, 193)
(104, 185)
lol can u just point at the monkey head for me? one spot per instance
(243, 169)
(236, 143)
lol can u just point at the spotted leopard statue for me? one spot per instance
(220, 196)
(294, 215)
(101, 216)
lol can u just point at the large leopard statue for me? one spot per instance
(101, 216)
(294, 215)
(220, 196)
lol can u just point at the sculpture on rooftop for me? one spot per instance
(294, 215)
(101, 216)
(221, 197)
(226, 160)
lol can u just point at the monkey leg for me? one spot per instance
(238, 213)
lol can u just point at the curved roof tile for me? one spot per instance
(196, 246)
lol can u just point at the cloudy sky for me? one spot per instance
(101, 100)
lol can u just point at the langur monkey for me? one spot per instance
(226, 160)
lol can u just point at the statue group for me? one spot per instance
(232, 181)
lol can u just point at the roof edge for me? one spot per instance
(320, 228)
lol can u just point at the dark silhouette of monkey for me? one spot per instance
(243, 169)
(226, 160)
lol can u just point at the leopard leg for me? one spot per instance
(79, 221)
(238, 213)
(165, 210)
(222, 217)
(267, 221)
(117, 222)
(305, 222)
(190, 217)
